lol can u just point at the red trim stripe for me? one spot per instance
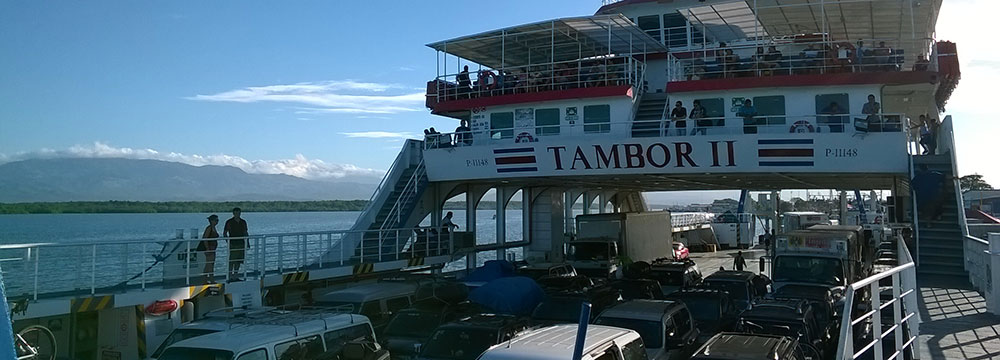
(860, 78)
(516, 160)
(785, 152)
(542, 96)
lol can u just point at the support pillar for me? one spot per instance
(501, 222)
(527, 199)
(992, 294)
(587, 201)
(776, 203)
(843, 207)
(603, 201)
(470, 224)
(568, 209)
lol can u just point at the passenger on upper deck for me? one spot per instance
(463, 135)
(677, 115)
(697, 114)
(748, 113)
(464, 83)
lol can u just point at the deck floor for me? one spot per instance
(955, 324)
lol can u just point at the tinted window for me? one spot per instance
(397, 304)
(178, 335)
(703, 309)
(683, 320)
(502, 125)
(597, 118)
(634, 350)
(372, 310)
(714, 108)
(768, 107)
(259, 354)
(304, 348)
(675, 28)
(567, 310)
(183, 353)
(610, 354)
(413, 324)
(651, 24)
(336, 339)
(833, 104)
(547, 122)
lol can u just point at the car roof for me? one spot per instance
(730, 275)
(702, 292)
(554, 342)
(365, 292)
(483, 321)
(255, 335)
(641, 309)
(777, 310)
(733, 346)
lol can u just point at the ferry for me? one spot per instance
(587, 112)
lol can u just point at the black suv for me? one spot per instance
(674, 275)
(732, 346)
(744, 287)
(712, 309)
(795, 319)
(562, 307)
(413, 326)
(467, 338)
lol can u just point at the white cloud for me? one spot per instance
(406, 68)
(338, 96)
(379, 135)
(300, 166)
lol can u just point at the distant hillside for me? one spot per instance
(86, 179)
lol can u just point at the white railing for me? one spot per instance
(977, 263)
(836, 124)
(902, 328)
(51, 269)
(406, 195)
(547, 76)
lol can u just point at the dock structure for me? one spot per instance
(582, 115)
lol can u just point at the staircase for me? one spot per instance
(940, 243)
(650, 115)
(393, 214)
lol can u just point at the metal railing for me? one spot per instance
(690, 219)
(395, 216)
(845, 124)
(39, 270)
(797, 57)
(888, 303)
(560, 75)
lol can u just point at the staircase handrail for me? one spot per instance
(407, 191)
(947, 127)
(381, 185)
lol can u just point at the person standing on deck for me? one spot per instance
(748, 113)
(677, 115)
(208, 246)
(446, 224)
(739, 263)
(236, 228)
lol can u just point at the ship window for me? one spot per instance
(597, 118)
(768, 107)
(833, 104)
(502, 125)
(675, 30)
(547, 122)
(651, 24)
(715, 109)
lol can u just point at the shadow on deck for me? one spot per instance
(955, 322)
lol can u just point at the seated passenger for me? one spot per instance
(836, 123)
(882, 54)
(922, 63)
(731, 64)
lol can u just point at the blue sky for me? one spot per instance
(271, 86)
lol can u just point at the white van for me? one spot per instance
(557, 342)
(297, 335)
(214, 321)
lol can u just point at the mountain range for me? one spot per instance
(101, 179)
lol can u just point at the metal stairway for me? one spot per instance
(940, 243)
(393, 214)
(649, 115)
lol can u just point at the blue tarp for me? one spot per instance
(491, 270)
(517, 295)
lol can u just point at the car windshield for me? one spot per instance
(651, 332)
(459, 344)
(184, 353)
(413, 324)
(178, 335)
(558, 310)
(668, 278)
(814, 270)
(703, 308)
(588, 251)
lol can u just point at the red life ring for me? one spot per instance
(161, 307)
(801, 126)
(487, 75)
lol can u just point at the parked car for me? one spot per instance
(675, 275)
(467, 338)
(557, 342)
(633, 289)
(666, 327)
(681, 252)
(410, 328)
(712, 309)
(733, 346)
(794, 319)
(538, 270)
(297, 335)
(377, 301)
(564, 307)
(744, 287)
(551, 283)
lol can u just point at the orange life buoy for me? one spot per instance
(487, 80)
(161, 307)
(801, 126)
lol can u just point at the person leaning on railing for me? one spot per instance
(749, 113)
(697, 114)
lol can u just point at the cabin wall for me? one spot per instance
(571, 119)
(546, 227)
(799, 101)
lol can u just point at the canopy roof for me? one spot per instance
(555, 40)
(850, 19)
(725, 21)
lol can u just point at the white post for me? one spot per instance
(993, 294)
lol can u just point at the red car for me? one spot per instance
(680, 251)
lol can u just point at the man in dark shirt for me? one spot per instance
(928, 187)
(236, 229)
(738, 262)
(677, 115)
